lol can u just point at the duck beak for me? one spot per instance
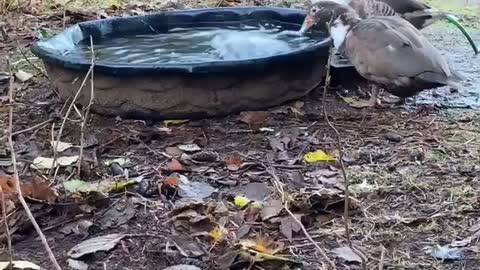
(307, 24)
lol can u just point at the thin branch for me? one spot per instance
(39, 125)
(382, 259)
(17, 181)
(342, 165)
(7, 230)
(309, 237)
(279, 187)
(62, 126)
(39, 70)
(86, 111)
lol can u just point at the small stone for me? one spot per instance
(417, 154)
(393, 137)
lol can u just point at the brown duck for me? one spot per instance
(417, 13)
(386, 50)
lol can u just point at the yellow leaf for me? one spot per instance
(317, 156)
(241, 201)
(174, 122)
(349, 100)
(217, 234)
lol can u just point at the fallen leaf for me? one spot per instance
(272, 209)
(103, 186)
(173, 151)
(349, 100)
(317, 156)
(62, 146)
(20, 265)
(92, 245)
(234, 162)
(120, 214)
(187, 246)
(23, 76)
(288, 226)
(189, 148)
(175, 166)
(42, 191)
(279, 144)
(241, 201)
(254, 117)
(192, 189)
(296, 107)
(174, 122)
(253, 191)
(347, 254)
(80, 227)
(362, 188)
(204, 156)
(77, 265)
(43, 163)
(447, 253)
(218, 233)
(38, 189)
(262, 248)
(122, 161)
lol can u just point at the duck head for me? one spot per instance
(339, 18)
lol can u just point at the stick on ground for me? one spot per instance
(17, 181)
(7, 229)
(86, 111)
(340, 157)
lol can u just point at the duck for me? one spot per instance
(417, 13)
(388, 51)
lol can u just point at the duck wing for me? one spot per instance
(389, 50)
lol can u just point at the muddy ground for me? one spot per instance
(414, 173)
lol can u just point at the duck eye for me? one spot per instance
(314, 10)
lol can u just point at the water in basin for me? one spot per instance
(199, 44)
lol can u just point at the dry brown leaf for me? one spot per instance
(42, 191)
(272, 209)
(255, 118)
(38, 190)
(234, 162)
(175, 166)
(288, 226)
(347, 254)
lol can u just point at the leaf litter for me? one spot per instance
(425, 203)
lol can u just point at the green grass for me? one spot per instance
(454, 7)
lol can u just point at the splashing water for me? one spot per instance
(198, 44)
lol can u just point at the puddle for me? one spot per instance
(455, 47)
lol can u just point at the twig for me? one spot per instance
(7, 230)
(39, 70)
(86, 111)
(59, 136)
(304, 230)
(382, 259)
(64, 18)
(17, 182)
(340, 157)
(278, 185)
(39, 125)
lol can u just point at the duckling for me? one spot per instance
(386, 50)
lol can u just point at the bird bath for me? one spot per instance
(188, 64)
